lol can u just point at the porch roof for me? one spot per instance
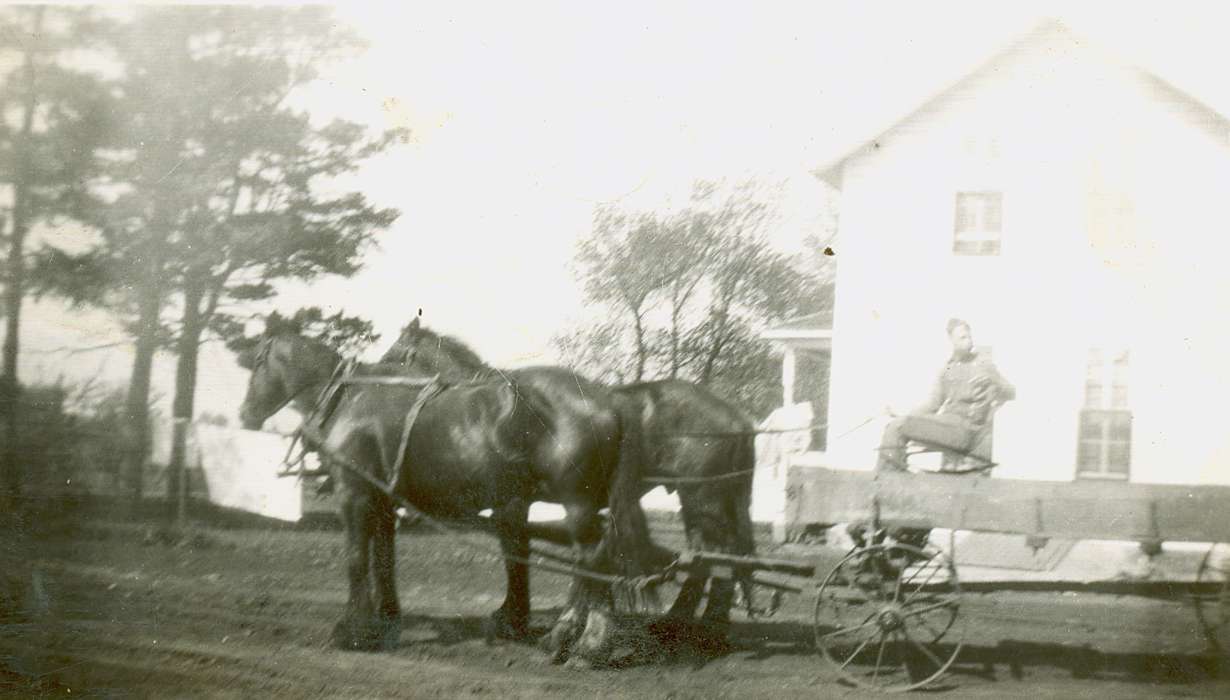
(816, 325)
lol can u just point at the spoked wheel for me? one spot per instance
(1212, 597)
(886, 617)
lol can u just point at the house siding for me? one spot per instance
(1114, 219)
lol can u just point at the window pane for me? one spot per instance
(967, 218)
(1118, 457)
(1119, 397)
(993, 220)
(1094, 369)
(1089, 456)
(1121, 427)
(978, 222)
(968, 247)
(1093, 395)
(1093, 424)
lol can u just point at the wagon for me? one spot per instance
(888, 615)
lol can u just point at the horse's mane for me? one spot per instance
(313, 345)
(461, 353)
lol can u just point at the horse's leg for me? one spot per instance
(677, 624)
(594, 597)
(353, 631)
(707, 531)
(693, 588)
(511, 620)
(716, 535)
(584, 527)
(567, 628)
(384, 568)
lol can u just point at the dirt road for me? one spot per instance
(110, 608)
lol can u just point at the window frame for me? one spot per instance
(1110, 406)
(980, 240)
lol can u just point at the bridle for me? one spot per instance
(262, 357)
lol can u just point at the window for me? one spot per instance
(979, 223)
(1104, 449)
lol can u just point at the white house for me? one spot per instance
(1074, 208)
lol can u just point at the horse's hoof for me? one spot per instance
(556, 646)
(356, 636)
(390, 634)
(578, 663)
(545, 643)
(558, 642)
(500, 627)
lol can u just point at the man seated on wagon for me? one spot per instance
(957, 414)
(956, 417)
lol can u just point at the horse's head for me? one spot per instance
(285, 367)
(423, 351)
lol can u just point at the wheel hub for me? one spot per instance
(890, 619)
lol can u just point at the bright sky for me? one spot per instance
(525, 115)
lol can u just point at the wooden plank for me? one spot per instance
(1074, 510)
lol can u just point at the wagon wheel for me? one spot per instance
(883, 613)
(1212, 598)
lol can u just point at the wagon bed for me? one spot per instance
(1092, 510)
(887, 614)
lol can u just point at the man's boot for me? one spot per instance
(891, 459)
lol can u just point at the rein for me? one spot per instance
(326, 402)
(262, 357)
(632, 588)
(668, 480)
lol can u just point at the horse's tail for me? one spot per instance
(744, 461)
(740, 503)
(629, 526)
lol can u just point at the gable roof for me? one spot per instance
(830, 168)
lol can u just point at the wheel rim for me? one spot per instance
(1212, 598)
(886, 617)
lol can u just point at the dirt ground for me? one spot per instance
(96, 605)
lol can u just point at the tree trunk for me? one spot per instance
(675, 309)
(10, 385)
(188, 350)
(10, 389)
(640, 346)
(717, 343)
(11, 476)
(137, 406)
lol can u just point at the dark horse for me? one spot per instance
(534, 434)
(692, 442)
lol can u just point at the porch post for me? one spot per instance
(788, 370)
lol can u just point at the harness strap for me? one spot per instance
(696, 479)
(434, 387)
(536, 560)
(331, 396)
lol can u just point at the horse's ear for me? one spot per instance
(414, 325)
